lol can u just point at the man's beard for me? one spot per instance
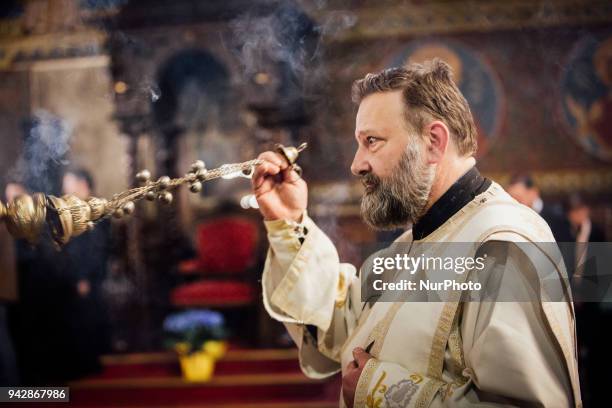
(401, 198)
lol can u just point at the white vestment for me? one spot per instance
(428, 354)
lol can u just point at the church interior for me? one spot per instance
(160, 304)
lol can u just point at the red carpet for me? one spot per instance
(242, 379)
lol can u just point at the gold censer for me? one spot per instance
(68, 216)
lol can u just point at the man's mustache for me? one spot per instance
(370, 181)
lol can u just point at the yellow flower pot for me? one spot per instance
(197, 366)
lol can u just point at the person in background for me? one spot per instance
(579, 217)
(590, 316)
(523, 189)
(87, 261)
(8, 295)
(13, 189)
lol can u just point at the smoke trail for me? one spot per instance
(44, 151)
(275, 37)
(336, 22)
(286, 35)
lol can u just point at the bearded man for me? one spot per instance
(415, 144)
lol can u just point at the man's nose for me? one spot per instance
(360, 165)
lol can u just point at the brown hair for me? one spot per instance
(429, 93)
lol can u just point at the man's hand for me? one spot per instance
(352, 374)
(280, 191)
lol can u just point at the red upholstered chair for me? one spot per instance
(227, 250)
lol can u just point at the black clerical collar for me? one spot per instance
(456, 197)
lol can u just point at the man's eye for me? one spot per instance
(371, 139)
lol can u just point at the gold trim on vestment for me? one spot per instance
(372, 401)
(428, 391)
(440, 338)
(455, 347)
(342, 292)
(363, 385)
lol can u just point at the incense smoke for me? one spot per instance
(44, 151)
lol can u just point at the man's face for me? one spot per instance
(523, 194)
(391, 162)
(13, 190)
(381, 132)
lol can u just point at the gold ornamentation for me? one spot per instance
(374, 400)
(143, 176)
(80, 214)
(98, 207)
(25, 216)
(342, 292)
(290, 153)
(416, 378)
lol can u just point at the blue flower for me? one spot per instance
(193, 319)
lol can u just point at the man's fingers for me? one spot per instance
(264, 169)
(265, 187)
(290, 175)
(361, 356)
(351, 366)
(274, 158)
(273, 163)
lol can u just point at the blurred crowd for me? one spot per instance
(569, 221)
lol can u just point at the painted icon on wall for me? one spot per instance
(586, 95)
(479, 84)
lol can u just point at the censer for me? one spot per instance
(68, 216)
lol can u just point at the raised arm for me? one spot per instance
(304, 284)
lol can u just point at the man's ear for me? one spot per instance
(438, 139)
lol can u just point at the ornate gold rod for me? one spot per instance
(69, 216)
